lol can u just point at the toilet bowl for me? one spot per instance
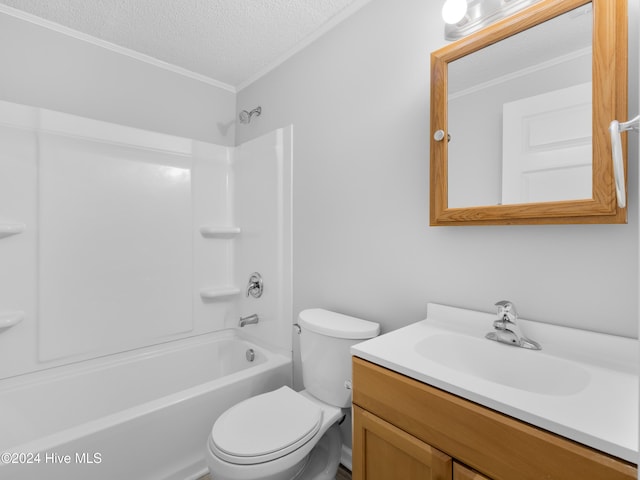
(284, 434)
(270, 436)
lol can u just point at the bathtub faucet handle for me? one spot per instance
(255, 286)
(250, 320)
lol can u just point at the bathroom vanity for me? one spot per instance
(417, 417)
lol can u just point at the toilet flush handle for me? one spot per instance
(348, 385)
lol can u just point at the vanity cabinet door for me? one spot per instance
(383, 451)
(460, 472)
(501, 447)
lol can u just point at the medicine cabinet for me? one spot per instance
(520, 112)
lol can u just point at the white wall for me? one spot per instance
(47, 69)
(358, 98)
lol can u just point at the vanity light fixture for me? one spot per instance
(463, 17)
(453, 11)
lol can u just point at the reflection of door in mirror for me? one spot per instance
(538, 65)
(546, 147)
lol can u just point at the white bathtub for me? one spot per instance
(140, 415)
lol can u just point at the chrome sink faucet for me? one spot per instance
(507, 330)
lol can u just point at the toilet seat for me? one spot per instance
(265, 427)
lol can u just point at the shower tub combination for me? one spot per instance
(141, 415)
(121, 238)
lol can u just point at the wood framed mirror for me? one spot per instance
(567, 176)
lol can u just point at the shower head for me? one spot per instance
(245, 117)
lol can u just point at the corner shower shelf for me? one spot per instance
(210, 231)
(219, 292)
(9, 319)
(8, 229)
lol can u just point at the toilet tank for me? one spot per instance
(325, 340)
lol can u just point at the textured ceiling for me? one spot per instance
(226, 40)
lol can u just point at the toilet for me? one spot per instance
(284, 434)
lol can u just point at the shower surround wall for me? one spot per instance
(262, 172)
(125, 240)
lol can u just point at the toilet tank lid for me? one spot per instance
(337, 325)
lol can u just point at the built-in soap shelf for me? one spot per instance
(10, 319)
(213, 231)
(8, 229)
(219, 292)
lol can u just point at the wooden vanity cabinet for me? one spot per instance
(405, 429)
(388, 452)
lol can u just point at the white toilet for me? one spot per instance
(286, 435)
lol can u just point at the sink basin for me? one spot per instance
(581, 385)
(514, 367)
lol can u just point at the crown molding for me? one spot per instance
(522, 72)
(70, 32)
(330, 24)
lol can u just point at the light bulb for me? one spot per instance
(454, 10)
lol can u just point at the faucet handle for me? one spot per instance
(507, 330)
(255, 285)
(507, 310)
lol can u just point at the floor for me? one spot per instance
(343, 474)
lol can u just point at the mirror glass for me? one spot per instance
(533, 92)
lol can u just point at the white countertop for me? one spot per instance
(602, 412)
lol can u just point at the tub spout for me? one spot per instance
(250, 320)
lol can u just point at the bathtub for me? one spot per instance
(139, 415)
